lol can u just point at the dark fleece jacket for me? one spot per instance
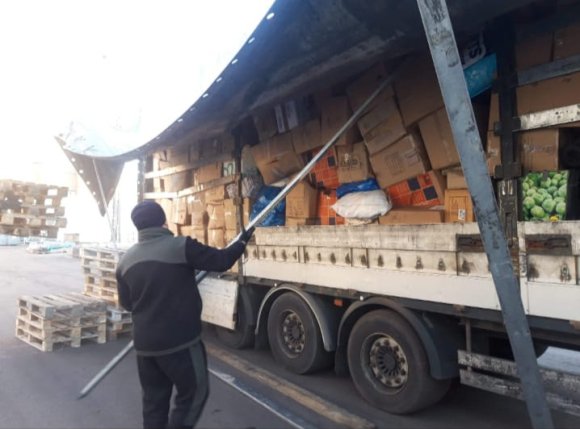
(156, 283)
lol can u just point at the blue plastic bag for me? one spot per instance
(362, 186)
(277, 217)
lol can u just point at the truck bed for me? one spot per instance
(443, 263)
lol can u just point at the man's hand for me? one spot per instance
(246, 235)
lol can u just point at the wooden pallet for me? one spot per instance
(51, 307)
(102, 254)
(27, 231)
(118, 315)
(105, 294)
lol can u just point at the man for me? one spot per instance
(156, 283)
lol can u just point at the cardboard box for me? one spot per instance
(216, 214)
(534, 51)
(493, 152)
(458, 206)
(418, 90)
(456, 179)
(325, 173)
(353, 163)
(380, 113)
(298, 221)
(216, 238)
(438, 139)
(549, 94)
(539, 149)
(425, 190)
(567, 42)
(402, 160)
(231, 213)
(207, 173)
(412, 216)
(307, 136)
(301, 201)
(200, 234)
(386, 132)
(198, 212)
(265, 123)
(335, 113)
(180, 214)
(215, 194)
(177, 155)
(361, 89)
(276, 158)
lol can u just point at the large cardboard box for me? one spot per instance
(199, 233)
(418, 90)
(301, 202)
(216, 215)
(216, 238)
(180, 213)
(567, 42)
(361, 89)
(276, 158)
(207, 173)
(493, 152)
(458, 206)
(549, 94)
(307, 136)
(265, 123)
(335, 111)
(199, 216)
(382, 112)
(231, 213)
(215, 194)
(456, 179)
(385, 133)
(402, 160)
(438, 139)
(412, 216)
(534, 51)
(539, 149)
(424, 190)
(353, 163)
(298, 221)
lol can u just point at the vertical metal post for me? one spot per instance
(439, 32)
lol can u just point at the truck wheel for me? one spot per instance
(294, 337)
(389, 366)
(243, 336)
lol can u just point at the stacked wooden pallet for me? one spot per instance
(31, 209)
(99, 266)
(55, 321)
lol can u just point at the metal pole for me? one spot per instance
(440, 36)
(262, 215)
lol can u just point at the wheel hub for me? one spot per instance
(293, 332)
(388, 362)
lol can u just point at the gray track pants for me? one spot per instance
(187, 371)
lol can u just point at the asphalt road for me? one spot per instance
(248, 389)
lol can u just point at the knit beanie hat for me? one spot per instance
(147, 214)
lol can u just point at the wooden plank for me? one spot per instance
(209, 185)
(190, 166)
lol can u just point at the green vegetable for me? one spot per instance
(529, 203)
(557, 177)
(562, 191)
(548, 205)
(552, 189)
(545, 183)
(537, 212)
(561, 208)
(525, 186)
(539, 198)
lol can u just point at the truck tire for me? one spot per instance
(389, 366)
(243, 336)
(294, 336)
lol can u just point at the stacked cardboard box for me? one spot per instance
(31, 209)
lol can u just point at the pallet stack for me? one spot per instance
(99, 265)
(31, 209)
(50, 322)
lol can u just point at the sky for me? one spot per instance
(124, 69)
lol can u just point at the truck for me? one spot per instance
(407, 302)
